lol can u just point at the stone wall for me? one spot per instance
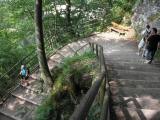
(146, 12)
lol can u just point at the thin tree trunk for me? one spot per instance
(45, 73)
(68, 10)
(110, 3)
(68, 17)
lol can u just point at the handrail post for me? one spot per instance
(93, 47)
(102, 91)
(105, 107)
(82, 109)
(96, 50)
(99, 58)
(105, 115)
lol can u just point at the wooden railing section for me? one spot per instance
(100, 89)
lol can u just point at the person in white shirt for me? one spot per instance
(141, 45)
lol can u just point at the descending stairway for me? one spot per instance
(134, 85)
(23, 101)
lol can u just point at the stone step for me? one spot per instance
(137, 75)
(26, 99)
(120, 56)
(135, 92)
(129, 59)
(137, 83)
(110, 61)
(5, 116)
(28, 95)
(75, 46)
(124, 113)
(119, 44)
(30, 116)
(83, 49)
(34, 85)
(121, 61)
(56, 58)
(139, 67)
(16, 108)
(142, 103)
(81, 43)
(66, 51)
(117, 52)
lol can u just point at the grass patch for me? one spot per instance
(94, 113)
(157, 55)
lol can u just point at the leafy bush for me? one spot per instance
(122, 9)
(157, 55)
(43, 111)
(94, 112)
(61, 102)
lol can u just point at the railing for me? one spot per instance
(98, 91)
(31, 61)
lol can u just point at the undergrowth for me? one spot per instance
(157, 55)
(72, 79)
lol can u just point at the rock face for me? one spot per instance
(146, 12)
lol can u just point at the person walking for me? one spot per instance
(152, 44)
(24, 73)
(142, 43)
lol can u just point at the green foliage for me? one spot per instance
(77, 65)
(60, 103)
(47, 107)
(14, 33)
(94, 112)
(17, 31)
(17, 26)
(122, 10)
(157, 55)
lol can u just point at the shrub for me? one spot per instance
(63, 98)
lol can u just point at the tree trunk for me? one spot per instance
(68, 12)
(45, 73)
(110, 3)
(68, 17)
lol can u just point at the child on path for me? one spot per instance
(24, 73)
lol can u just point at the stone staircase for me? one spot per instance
(23, 101)
(134, 85)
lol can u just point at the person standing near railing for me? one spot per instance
(153, 43)
(24, 73)
(142, 43)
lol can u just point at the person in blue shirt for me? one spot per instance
(24, 73)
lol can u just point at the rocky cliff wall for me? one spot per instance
(146, 12)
